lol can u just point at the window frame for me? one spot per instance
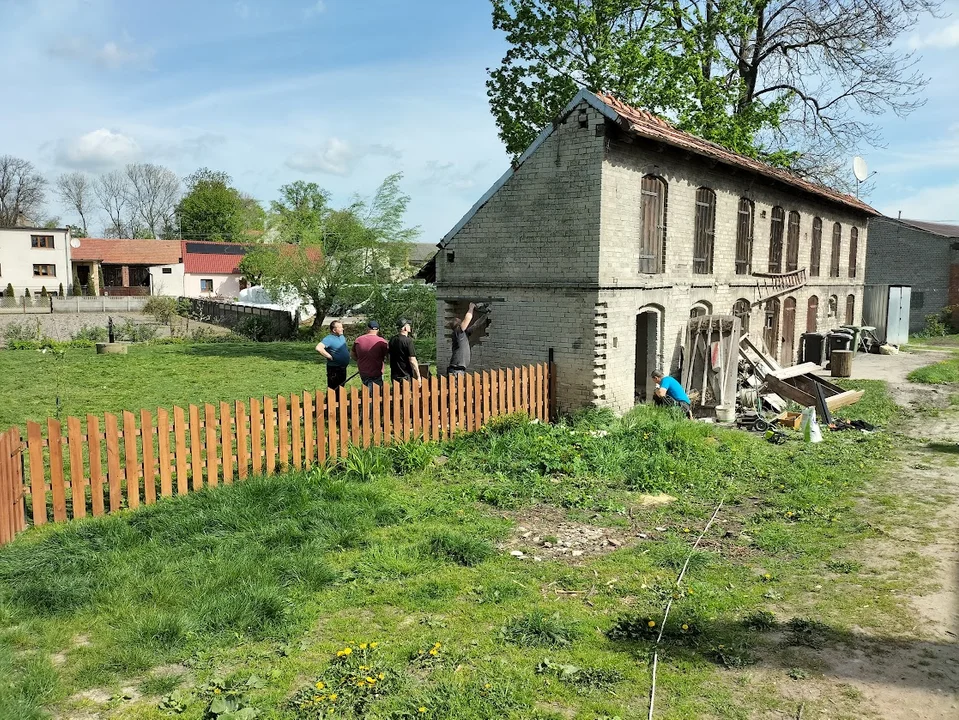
(35, 242)
(853, 250)
(206, 280)
(850, 309)
(741, 305)
(704, 237)
(776, 236)
(793, 224)
(834, 258)
(36, 273)
(745, 229)
(652, 239)
(815, 250)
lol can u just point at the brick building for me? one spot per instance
(923, 255)
(614, 228)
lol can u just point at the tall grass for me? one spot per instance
(940, 373)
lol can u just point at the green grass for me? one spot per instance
(940, 373)
(256, 588)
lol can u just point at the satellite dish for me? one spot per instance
(75, 243)
(860, 169)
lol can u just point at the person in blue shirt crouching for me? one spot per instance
(669, 392)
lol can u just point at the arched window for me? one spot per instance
(652, 243)
(700, 309)
(705, 231)
(815, 251)
(836, 250)
(741, 310)
(853, 250)
(776, 240)
(850, 309)
(812, 314)
(792, 242)
(744, 237)
(832, 309)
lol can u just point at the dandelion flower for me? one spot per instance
(433, 652)
(685, 626)
(347, 650)
(217, 691)
(487, 686)
(333, 697)
(320, 685)
(370, 680)
(362, 646)
(436, 645)
(380, 676)
(373, 644)
(651, 623)
(422, 709)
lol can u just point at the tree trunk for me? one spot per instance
(322, 307)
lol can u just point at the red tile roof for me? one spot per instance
(652, 127)
(126, 251)
(215, 258)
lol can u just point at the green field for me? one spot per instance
(250, 596)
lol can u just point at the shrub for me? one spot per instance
(163, 309)
(60, 291)
(255, 328)
(9, 291)
(92, 333)
(76, 290)
(20, 331)
(43, 292)
(135, 332)
(26, 293)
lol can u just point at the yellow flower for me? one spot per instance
(370, 680)
(380, 676)
(362, 646)
(333, 697)
(373, 644)
(422, 709)
(360, 683)
(651, 623)
(487, 686)
(685, 626)
(347, 650)
(436, 645)
(317, 697)
(217, 691)
(433, 652)
(320, 685)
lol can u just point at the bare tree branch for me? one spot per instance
(21, 191)
(76, 189)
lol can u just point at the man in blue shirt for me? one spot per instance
(670, 393)
(333, 348)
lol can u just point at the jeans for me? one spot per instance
(371, 381)
(455, 370)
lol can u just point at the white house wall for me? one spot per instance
(17, 259)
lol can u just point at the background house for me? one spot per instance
(124, 263)
(923, 255)
(614, 228)
(34, 258)
(206, 269)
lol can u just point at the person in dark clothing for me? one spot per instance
(403, 364)
(460, 357)
(333, 349)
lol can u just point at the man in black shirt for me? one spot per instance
(403, 364)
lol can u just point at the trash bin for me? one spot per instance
(811, 348)
(838, 340)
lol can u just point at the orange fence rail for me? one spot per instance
(88, 467)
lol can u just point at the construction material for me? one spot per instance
(711, 359)
(790, 420)
(840, 363)
(757, 365)
(802, 389)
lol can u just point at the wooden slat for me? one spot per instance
(256, 436)
(296, 418)
(332, 423)
(488, 392)
(377, 414)
(843, 399)
(196, 452)
(269, 419)
(524, 389)
(435, 408)
(343, 420)
(149, 459)
(242, 441)
(179, 439)
(96, 468)
(415, 408)
(163, 450)
(517, 390)
(495, 408)
(795, 370)
(470, 402)
(320, 412)
(7, 523)
(541, 380)
(210, 426)
(387, 413)
(131, 459)
(75, 447)
(365, 416)
(283, 419)
(56, 470)
(355, 415)
(501, 384)
(444, 401)
(397, 393)
(38, 483)
(461, 383)
(226, 442)
(426, 415)
(309, 425)
(508, 375)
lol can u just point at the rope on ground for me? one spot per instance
(669, 605)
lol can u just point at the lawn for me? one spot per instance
(387, 587)
(151, 376)
(940, 373)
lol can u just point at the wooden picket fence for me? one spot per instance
(99, 467)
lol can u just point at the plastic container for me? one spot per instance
(812, 348)
(725, 413)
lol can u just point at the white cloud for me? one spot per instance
(933, 204)
(97, 150)
(452, 176)
(110, 54)
(946, 37)
(317, 8)
(337, 157)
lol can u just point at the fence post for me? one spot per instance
(553, 405)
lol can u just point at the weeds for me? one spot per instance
(940, 373)
(539, 629)
(458, 548)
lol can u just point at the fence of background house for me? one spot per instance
(97, 465)
(276, 324)
(38, 305)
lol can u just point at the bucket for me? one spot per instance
(725, 414)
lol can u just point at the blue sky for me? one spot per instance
(340, 92)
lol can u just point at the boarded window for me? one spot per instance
(744, 237)
(815, 251)
(700, 309)
(850, 309)
(812, 314)
(652, 248)
(776, 240)
(705, 231)
(853, 250)
(741, 310)
(836, 250)
(792, 243)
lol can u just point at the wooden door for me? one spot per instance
(789, 332)
(771, 328)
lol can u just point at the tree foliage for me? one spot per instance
(21, 191)
(212, 209)
(789, 81)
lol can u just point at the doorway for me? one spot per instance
(789, 332)
(771, 328)
(83, 275)
(647, 346)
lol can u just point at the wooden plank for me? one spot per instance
(377, 415)
(75, 448)
(309, 425)
(444, 405)
(163, 450)
(111, 431)
(517, 390)
(464, 395)
(493, 395)
(332, 423)
(541, 394)
(211, 458)
(843, 399)
(795, 370)
(131, 459)
(38, 483)
(56, 470)
(387, 414)
(296, 420)
(269, 419)
(96, 469)
(790, 392)
(415, 408)
(242, 440)
(468, 415)
(7, 523)
(320, 411)
(434, 408)
(355, 415)
(256, 436)
(283, 419)
(502, 384)
(343, 425)
(527, 395)
(226, 442)
(366, 418)
(179, 438)
(149, 459)
(397, 393)
(423, 431)
(196, 451)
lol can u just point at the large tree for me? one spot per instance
(21, 191)
(791, 81)
(110, 190)
(328, 257)
(211, 209)
(152, 192)
(76, 190)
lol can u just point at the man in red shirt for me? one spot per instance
(369, 351)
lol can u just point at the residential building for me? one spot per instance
(922, 255)
(614, 228)
(35, 258)
(123, 263)
(206, 269)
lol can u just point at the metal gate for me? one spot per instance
(897, 316)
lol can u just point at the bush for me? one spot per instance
(163, 309)
(20, 331)
(941, 323)
(255, 328)
(9, 291)
(135, 332)
(26, 293)
(92, 333)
